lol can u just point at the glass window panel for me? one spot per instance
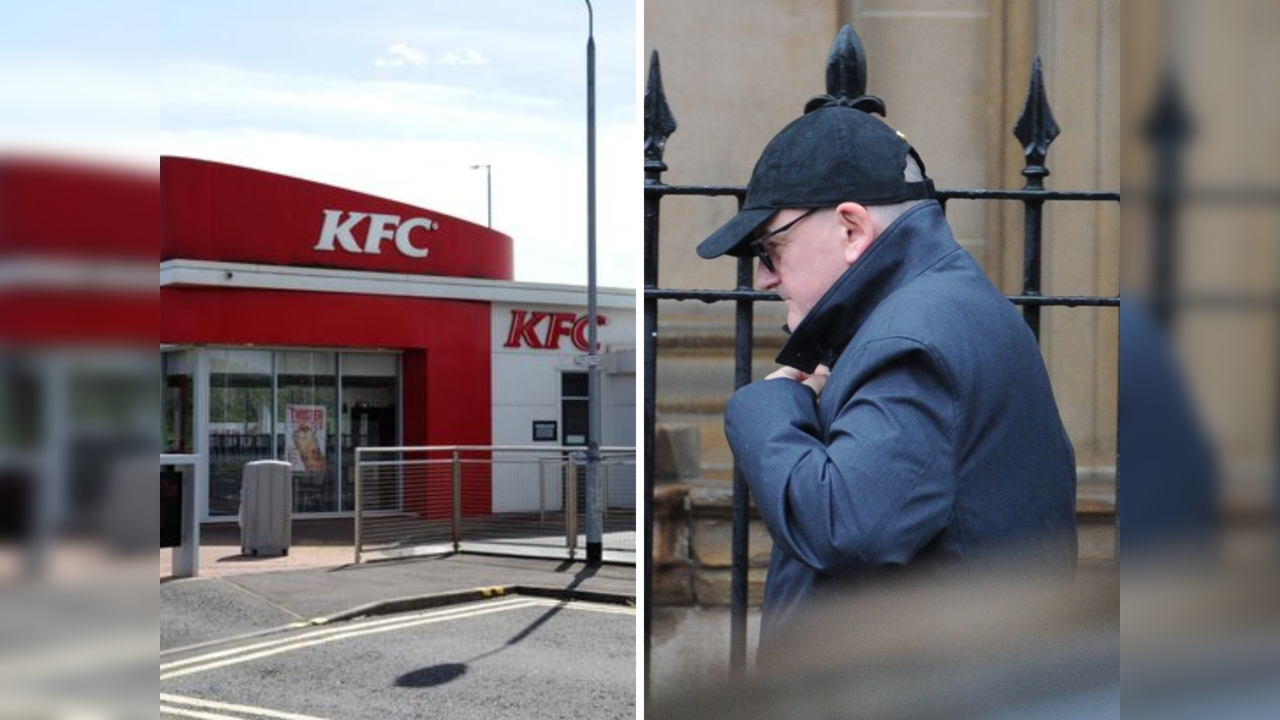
(370, 396)
(574, 417)
(307, 422)
(573, 384)
(178, 402)
(240, 423)
(370, 365)
(240, 362)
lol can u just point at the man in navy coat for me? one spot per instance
(912, 420)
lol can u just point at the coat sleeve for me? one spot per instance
(881, 483)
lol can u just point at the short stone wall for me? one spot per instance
(693, 541)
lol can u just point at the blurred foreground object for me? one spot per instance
(79, 439)
(78, 320)
(1200, 362)
(1196, 644)
(1013, 644)
(1169, 492)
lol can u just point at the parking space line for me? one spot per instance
(333, 636)
(206, 705)
(522, 602)
(588, 607)
(168, 710)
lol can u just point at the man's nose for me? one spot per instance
(766, 279)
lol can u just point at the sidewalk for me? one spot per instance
(316, 544)
(235, 595)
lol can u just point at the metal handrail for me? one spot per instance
(492, 448)
(459, 462)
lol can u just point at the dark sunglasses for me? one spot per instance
(757, 245)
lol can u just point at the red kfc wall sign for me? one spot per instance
(218, 212)
(540, 330)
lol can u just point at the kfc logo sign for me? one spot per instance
(544, 330)
(340, 228)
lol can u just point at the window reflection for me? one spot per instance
(303, 429)
(369, 413)
(239, 422)
(178, 402)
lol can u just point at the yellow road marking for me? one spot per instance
(229, 707)
(335, 636)
(336, 630)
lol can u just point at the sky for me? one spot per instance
(396, 98)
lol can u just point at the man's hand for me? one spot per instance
(816, 381)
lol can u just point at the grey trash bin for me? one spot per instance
(266, 508)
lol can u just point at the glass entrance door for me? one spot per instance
(370, 416)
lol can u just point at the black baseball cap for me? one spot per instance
(831, 154)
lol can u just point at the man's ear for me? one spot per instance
(855, 220)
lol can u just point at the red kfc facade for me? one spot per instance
(299, 321)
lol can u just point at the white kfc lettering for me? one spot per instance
(335, 229)
(402, 236)
(378, 231)
(381, 228)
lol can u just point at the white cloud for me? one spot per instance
(462, 56)
(401, 55)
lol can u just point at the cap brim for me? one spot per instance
(734, 233)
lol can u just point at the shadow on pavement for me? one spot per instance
(437, 675)
(433, 676)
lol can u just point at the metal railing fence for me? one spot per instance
(494, 499)
(1035, 129)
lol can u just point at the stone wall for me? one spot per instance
(693, 541)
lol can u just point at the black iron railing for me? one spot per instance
(1035, 129)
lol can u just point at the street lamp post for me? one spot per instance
(488, 182)
(595, 513)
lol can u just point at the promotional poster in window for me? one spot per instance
(304, 438)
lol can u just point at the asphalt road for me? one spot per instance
(512, 657)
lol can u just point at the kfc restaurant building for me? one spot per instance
(300, 321)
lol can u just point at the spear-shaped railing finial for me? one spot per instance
(1036, 129)
(847, 77)
(659, 123)
(1169, 124)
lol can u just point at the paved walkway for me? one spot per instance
(223, 561)
(317, 544)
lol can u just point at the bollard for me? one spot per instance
(457, 501)
(571, 509)
(359, 505)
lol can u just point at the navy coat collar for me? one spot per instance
(910, 245)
